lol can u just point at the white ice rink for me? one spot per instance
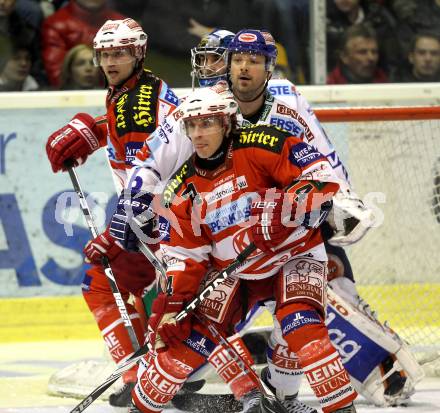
(26, 367)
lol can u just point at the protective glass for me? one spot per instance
(113, 56)
(206, 125)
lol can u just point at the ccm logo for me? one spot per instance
(262, 204)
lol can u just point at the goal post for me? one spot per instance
(393, 158)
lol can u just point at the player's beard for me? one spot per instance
(245, 94)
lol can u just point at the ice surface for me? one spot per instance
(26, 367)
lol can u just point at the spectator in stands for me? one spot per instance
(15, 68)
(288, 21)
(424, 60)
(15, 27)
(171, 36)
(416, 16)
(34, 11)
(75, 23)
(342, 14)
(78, 71)
(358, 58)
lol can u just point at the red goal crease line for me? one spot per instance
(359, 114)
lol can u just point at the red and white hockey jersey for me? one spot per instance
(210, 210)
(134, 111)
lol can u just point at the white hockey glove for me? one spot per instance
(350, 219)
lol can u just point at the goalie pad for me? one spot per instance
(349, 218)
(381, 366)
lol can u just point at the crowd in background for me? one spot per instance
(47, 45)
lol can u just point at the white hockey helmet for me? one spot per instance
(120, 34)
(209, 102)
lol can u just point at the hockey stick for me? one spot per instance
(271, 403)
(130, 362)
(105, 263)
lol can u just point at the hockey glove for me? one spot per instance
(133, 211)
(269, 230)
(163, 329)
(75, 141)
(350, 219)
(103, 245)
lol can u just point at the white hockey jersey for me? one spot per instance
(168, 147)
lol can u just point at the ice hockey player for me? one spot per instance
(137, 102)
(280, 191)
(248, 80)
(210, 58)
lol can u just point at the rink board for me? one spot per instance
(68, 318)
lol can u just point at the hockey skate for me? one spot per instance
(347, 409)
(133, 408)
(122, 396)
(252, 402)
(290, 403)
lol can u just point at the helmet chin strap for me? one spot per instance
(256, 97)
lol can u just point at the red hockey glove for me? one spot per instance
(268, 213)
(103, 244)
(163, 328)
(74, 141)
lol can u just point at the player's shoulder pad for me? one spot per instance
(135, 110)
(266, 137)
(176, 182)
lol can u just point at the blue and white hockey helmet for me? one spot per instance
(258, 42)
(208, 59)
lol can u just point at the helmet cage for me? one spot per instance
(214, 43)
(208, 74)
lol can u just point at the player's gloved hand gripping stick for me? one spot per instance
(105, 262)
(137, 355)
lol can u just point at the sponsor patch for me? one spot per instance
(303, 155)
(200, 344)
(226, 189)
(287, 111)
(260, 138)
(164, 229)
(229, 215)
(171, 97)
(86, 282)
(247, 37)
(161, 134)
(282, 90)
(289, 125)
(131, 149)
(299, 319)
(304, 280)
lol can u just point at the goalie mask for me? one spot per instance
(123, 41)
(208, 59)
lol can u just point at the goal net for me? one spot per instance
(393, 159)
